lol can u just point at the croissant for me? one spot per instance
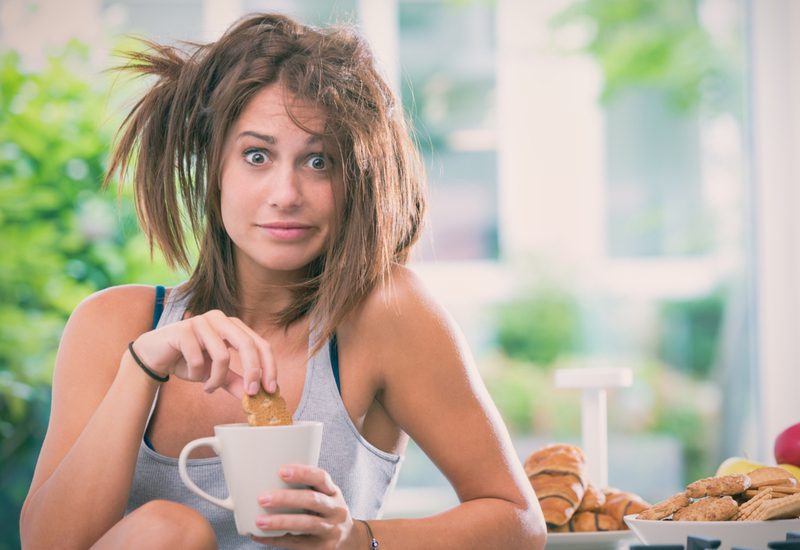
(557, 474)
(583, 522)
(593, 499)
(621, 503)
(557, 458)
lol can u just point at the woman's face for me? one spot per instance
(277, 195)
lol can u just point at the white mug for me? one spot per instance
(251, 457)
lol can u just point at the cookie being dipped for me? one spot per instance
(266, 409)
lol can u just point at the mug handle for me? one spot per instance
(212, 442)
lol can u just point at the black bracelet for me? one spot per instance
(373, 542)
(151, 373)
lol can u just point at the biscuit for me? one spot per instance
(777, 491)
(779, 508)
(747, 508)
(718, 486)
(708, 509)
(665, 508)
(771, 475)
(266, 409)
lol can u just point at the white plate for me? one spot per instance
(748, 534)
(601, 540)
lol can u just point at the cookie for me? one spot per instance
(771, 475)
(748, 507)
(719, 486)
(665, 508)
(779, 508)
(708, 509)
(266, 409)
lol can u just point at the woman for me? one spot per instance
(279, 148)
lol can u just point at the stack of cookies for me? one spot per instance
(763, 494)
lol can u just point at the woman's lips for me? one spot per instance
(286, 231)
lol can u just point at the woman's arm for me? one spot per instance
(99, 408)
(101, 401)
(432, 390)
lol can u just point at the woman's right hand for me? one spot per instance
(201, 348)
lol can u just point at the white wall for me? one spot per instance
(776, 142)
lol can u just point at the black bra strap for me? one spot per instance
(333, 350)
(159, 307)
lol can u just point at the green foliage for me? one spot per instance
(62, 239)
(659, 44)
(690, 333)
(683, 407)
(526, 400)
(539, 327)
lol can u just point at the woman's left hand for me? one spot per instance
(327, 525)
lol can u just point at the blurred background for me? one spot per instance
(612, 184)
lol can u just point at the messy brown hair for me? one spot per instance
(172, 142)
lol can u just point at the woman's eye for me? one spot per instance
(318, 162)
(255, 156)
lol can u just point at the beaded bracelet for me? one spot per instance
(373, 542)
(151, 373)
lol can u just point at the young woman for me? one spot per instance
(281, 151)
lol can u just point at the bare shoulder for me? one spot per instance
(402, 302)
(106, 320)
(122, 308)
(403, 325)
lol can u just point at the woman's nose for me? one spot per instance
(283, 189)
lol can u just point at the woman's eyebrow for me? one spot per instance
(272, 139)
(263, 137)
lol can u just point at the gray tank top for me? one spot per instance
(364, 473)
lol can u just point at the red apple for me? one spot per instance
(787, 446)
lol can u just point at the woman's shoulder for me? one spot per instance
(400, 308)
(124, 307)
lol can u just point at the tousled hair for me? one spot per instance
(172, 141)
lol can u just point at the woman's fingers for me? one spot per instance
(215, 348)
(244, 341)
(234, 384)
(295, 523)
(199, 349)
(306, 499)
(314, 477)
(269, 372)
(325, 520)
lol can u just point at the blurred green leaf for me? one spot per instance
(62, 239)
(658, 44)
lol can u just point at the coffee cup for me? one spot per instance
(251, 457)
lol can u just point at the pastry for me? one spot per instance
(593, 499)
(557, 474)
(559, 496)
(622, 503)
(583, 522)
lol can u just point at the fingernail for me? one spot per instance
(252, 389)
(265, 500)
(273, 386)
(262, 521)
(285, 472)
